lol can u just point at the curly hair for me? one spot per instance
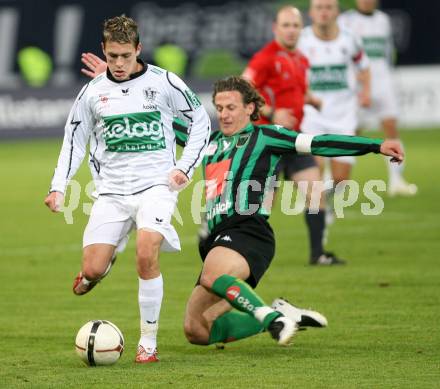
(247, 91)
(120, 29)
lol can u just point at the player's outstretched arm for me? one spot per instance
(94, 64)
(281, 140)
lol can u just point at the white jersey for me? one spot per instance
(129, 127)
(332, 78)
(376, 34)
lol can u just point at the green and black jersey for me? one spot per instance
(240, 169)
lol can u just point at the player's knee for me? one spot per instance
(93, 271)
(207, 280)
(146, 254)
(147, 250)
(339, 178)
(195, 333)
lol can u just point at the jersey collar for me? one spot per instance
(133, 75)
(366, 13)
(248, 128)
(281, 48)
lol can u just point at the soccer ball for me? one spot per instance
(99, 342)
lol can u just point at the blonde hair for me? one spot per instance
(120, 29)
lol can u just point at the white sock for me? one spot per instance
(150, 301)
(395, 170)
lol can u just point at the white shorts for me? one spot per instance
(315, 127)
(113, 217)
(383, 102)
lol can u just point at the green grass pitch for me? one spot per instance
(383, 308)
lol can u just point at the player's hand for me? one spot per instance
(95, 65)
(393, 149)
(54, 201)
(177, 180)
(284, 117)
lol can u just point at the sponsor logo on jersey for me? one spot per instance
(140, 131)
(219, 209)
(226, 238)
(232, 292)
(193, 98)
(375, 46)
(215, 178)
(328, 78)
(125, 92)
(149, 107)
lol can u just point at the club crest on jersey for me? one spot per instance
(242, 140)
(212, 148)
(150, 94)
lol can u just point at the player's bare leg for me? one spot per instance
(150, 292)
(202, 309)
(341, 171)
(223, 273)
(97, 261)
(397, 185)
(315, 208)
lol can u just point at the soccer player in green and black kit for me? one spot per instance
(238, 167)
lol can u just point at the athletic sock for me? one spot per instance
(316, 226)
(395, 170)
(242, 297)
(232, 326)
(85, 281)
(150, 301)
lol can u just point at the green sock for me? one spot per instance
(233, 326)
(242, 297)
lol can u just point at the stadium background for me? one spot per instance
(41, 43)
(382, 308)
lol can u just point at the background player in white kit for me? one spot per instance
(126, 114)
(337, 66)
(374, 28)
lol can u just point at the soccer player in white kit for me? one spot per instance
(374, 28)
(126, 115)
(338, 66)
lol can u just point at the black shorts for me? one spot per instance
(293, 163)
(252, 237)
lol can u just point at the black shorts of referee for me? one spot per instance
(250, 236)
(291, 164)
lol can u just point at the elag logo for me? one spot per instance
(233, 292)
